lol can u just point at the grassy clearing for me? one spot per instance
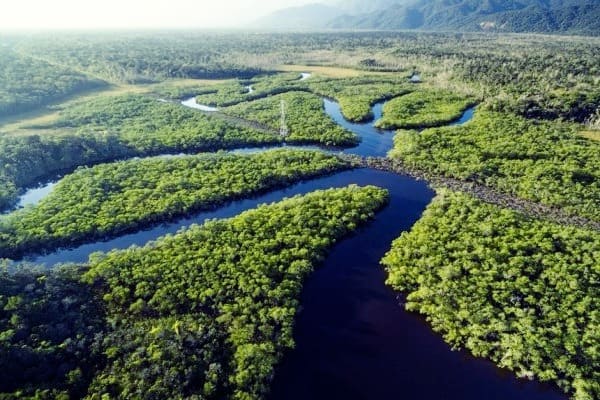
(329, 72)
(592, 135)
(192, 82)
(177, 89)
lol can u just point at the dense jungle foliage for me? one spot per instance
(27, 83)
(135, 58)
(305, 118)
(208, 312)
(205, 313)
(51, 324)
(109, 128)
(519, 291)
(541, 161)
(533, 75)
(26, 159)
(154, 126)
(109, 199)
(422, 109)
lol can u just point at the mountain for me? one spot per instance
(310, 16)
(543, 16)
(582, 19)
(357, 7)
(550, 16)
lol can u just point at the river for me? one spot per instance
(353, 339)
(374, 142)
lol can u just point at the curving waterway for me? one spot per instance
(374, 142)
(353, 340)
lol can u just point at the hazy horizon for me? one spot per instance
(136, 14)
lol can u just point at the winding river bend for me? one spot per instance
(353, 340)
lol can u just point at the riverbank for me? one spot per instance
(129, 196)
(477, 190)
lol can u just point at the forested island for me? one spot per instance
(241, 162)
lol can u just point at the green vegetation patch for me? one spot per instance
(48, 323)
(237, 91)
(26, 159)
(206, 313)
(224, 94)
(108, 128)
(540, 161)
(423, 108)
(153, 126)
(145, 58)
(305, 118)
(179, 89)
(241, 277)
(528, 80)
(591, 134)
(26, 83)
(111, 198)
(521, 292)
(357, 95)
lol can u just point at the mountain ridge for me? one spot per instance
(521, 16)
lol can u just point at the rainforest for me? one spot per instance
(296, 215)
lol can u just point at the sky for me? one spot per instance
(132, 14)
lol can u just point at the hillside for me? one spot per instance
(541, 16)
(547, 16)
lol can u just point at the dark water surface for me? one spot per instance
(375, 142)
(354, 340)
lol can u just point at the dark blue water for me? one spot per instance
(353, 339)
(374, 142)
(355, 342)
